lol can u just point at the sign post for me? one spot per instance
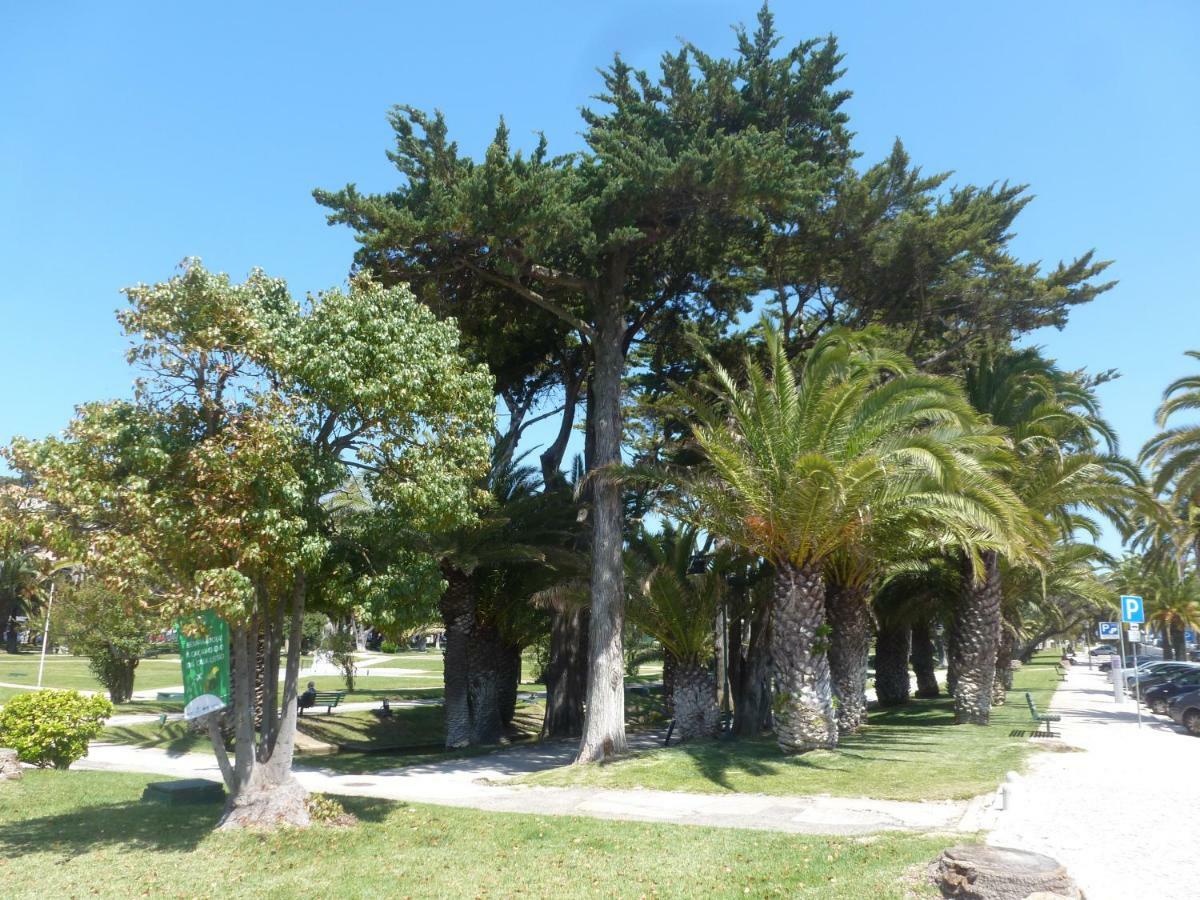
(1133, 613)
(204, 658)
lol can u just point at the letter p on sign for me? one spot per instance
(1132, 610)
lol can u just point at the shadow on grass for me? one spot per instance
(122, 826)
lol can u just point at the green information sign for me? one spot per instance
(204, 656)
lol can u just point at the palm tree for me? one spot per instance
(797, 460)
(677, 595)
(20, 580)
(1174, 453)
(1062, 463)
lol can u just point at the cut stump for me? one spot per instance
(975, 872)
(10, 765)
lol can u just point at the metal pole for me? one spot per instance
(1137, 690)
(1119, 670)
(45, 636)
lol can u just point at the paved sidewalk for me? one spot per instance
(1123, 816)
(478, 783)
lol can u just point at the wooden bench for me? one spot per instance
(1041, 718)
(327, 699)
(1062, 673)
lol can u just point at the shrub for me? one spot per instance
(388, 647)
(52, 728)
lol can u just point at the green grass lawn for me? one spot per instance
(914, 752)
(88, 834)
(73, 673)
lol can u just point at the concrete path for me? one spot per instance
(1123, 816)
(478, 783)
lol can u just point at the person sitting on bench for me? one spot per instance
(309, 698)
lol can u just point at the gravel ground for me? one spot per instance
(1124, 815)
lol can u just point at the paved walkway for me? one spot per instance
(478, 783)
(1124, 816)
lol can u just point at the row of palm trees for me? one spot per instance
(823, 503)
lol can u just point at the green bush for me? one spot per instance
(388, 647)
(52, 728)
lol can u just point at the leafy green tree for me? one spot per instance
(652, 220)
(110, 630)
(210, 486)
(795, 457)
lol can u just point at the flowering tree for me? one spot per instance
(213, 485)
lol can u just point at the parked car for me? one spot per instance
(1157, 675)
(1146, 667)
(1157, 698)
(1184, 709)
(1103, 650)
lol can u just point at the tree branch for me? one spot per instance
(532, 296)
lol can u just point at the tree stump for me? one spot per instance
(975, 872)
(10, 765)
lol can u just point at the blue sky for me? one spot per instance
(135, 134)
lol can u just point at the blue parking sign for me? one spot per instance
(1189, 636)
(1132, 609)
(1110, 630)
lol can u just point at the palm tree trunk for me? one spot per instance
(752, 706)
(510, 681)
(483, 683)
(669, 671)
(566, 674)
(604, 722)
(924, 661)
(1179, 643)
(973, 648)
(892, 684)
(695, 701)
(457, 606)
(804, 718)
(1168, 645)
(849, 647)
(1004, 656)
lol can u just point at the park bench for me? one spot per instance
(327, 699)
(1062, 673)
(1041, 718)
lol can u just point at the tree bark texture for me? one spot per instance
(604, 722)
(753, 701)
(892, 683)
(510, 681)
(668, 677)
(262, 791)
(695, 701)
(973, 646)
(566, 674)
(457, 606)
(1002, 682)
(849, 646)
(924, 660)
(804, 718)
(483, 683)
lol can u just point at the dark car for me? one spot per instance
(1185, 710)
(1159, 674)
(1157, 697)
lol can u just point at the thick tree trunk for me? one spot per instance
(510, 682)
(951, 661)
(1179, 643)
(604, 722)
(804, 718)
(121, 690)
(849, 645)
(483, 683)
(752, 706)
(1004, 673)
(457, 606)
(973, 647)
(668, 680)
(924, 660)
(263, 792)
(892, 683)
(566, 674)
(695, 700)
(10, 641)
